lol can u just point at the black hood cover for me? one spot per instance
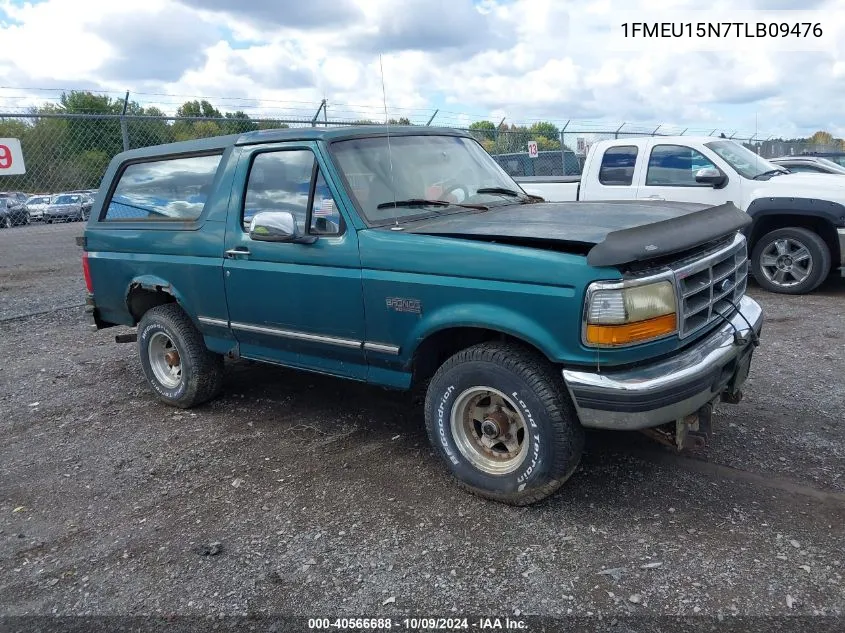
(620, 231)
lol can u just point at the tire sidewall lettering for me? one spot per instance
(533, 466)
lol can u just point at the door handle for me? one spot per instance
(236, 252)
(655, 197)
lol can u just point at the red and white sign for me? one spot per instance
(532, 149)
(11, 157)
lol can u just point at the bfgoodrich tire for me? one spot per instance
(177, 364)
(499, 417)
(791, 260)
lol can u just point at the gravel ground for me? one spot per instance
(299, 494)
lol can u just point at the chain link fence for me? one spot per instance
(68, 153)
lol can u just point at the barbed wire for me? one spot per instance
(12, 98)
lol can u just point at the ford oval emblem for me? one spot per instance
(651, 247)
(725, 285)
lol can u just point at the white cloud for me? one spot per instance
(524, 59)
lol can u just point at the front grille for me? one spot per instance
(710, 286)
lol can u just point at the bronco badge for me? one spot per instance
(398, 304)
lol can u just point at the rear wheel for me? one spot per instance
(177, 364)
(499, 417)
(791, 260)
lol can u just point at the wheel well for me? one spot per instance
(439, 346)
(820, 226)
(142, 298)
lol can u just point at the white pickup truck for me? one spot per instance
(797, 235)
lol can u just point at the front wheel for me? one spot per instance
(499, 416)
(6, 222)
(791, 260)
(177, 364)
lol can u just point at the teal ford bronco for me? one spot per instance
(406, 257)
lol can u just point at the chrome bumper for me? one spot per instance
(671, 389)
(841, 234)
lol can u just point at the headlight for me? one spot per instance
(617, 314)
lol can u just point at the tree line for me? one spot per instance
(72, 153)
(63, 154)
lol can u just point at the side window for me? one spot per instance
(170, 189)
(281, 181)
(325, 218)
(675, 165)
(617, 166)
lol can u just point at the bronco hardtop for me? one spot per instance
(406, 257)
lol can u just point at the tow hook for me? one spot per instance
(692, 432)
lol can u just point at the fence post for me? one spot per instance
(124, 128)
(317, 113)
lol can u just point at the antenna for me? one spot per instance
(396, 226)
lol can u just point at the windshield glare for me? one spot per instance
(450, 168)
(742, 159)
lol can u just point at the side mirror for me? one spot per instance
(710, 176)
(277, 226)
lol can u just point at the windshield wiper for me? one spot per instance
(501, 190)
(771, 172)
(422, 202)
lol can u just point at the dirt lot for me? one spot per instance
(325, 499)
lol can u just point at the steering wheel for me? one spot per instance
(448, 189)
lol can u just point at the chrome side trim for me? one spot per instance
(841, 234)
(214, 322)
(300, 336)
(381, 347)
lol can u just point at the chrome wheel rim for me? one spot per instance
(489, 430)
(786, 262)
(165, 360)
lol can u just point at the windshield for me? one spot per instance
(831, 165)
(424, 168)
(742, 159)
(66, 200)
(38, 201)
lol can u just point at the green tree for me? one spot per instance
(546, 144)
(238, 123)
(545, 129)
(484, 130)
(198, 109)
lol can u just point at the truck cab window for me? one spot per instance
(617, 166)
(281, 181)
(675, 165)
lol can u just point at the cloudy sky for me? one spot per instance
(524, 59)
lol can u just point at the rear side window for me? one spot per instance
(617, 166)
(171, 189)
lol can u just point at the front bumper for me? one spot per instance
(652, 395)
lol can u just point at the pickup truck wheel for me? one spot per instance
(175, 360)
(500, 418)
(792, 260)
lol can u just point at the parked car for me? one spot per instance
(809, 164)
(66, 207)
(13, 209)
(415, 260)
(797, 231)
(35, 206)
